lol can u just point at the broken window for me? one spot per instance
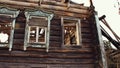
(37, 34)
(37, 30)
(71, 32)
(7, 21)
(5, 28)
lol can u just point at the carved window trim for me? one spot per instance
(38, 14)
(78, 31)
(13, 13)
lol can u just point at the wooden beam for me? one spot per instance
(63, 13)
(44, 6)
(58, 14)
(59, 4)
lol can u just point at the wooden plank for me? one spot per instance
(55, 21)
(18, 36)
(55, 38)
(55, 27)
(55, 33)
(86, 35)
(38, 22)
(18, 41)
(5, 28)
(58, 4)
(102, 48)
(73, 66)
(85, 25)
(46, 60)
(49, 55)
(55, 44)
(31, 65)
(5, 19)
(84, 40)
(64, 13)
(87, 45)
(3, 24)
(20, 30)
(13, 65)
(20, 25)
(44, 6)
(67, 50)
(86, 30)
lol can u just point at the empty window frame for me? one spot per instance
(7, 22)
(71, 31)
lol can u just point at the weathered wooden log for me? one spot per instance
(57, 13)
(63, 13)
(51, 7)
(48, 60)
(49, 55)
(5, 28)
(59, 4)
(85, 30)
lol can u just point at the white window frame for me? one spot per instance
(37, 34)
(78, 30)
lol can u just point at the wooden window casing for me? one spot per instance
(37, 21)
(35, 37)
(7, 24)
(71, 34)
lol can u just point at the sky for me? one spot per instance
(108, 8)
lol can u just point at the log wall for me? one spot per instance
(83, 56)
(57, 57)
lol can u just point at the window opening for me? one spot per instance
(7, 22)
(71, 32)
(37, 29)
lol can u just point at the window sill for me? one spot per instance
(38, 45)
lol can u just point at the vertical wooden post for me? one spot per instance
(12, 31)
(12, 35)
(103, 55)
(48, 35)
(26, 38)
(79, 32)
(91, 3)
(62, 25)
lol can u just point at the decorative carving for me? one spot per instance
(37, 13)
(9, 11)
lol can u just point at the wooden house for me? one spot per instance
(49, 34)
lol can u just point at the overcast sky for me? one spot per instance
(108, 8)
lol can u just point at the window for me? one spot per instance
(7, 21)
(37, 34)
(4, 33)
(71, 32)
(37, 30)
